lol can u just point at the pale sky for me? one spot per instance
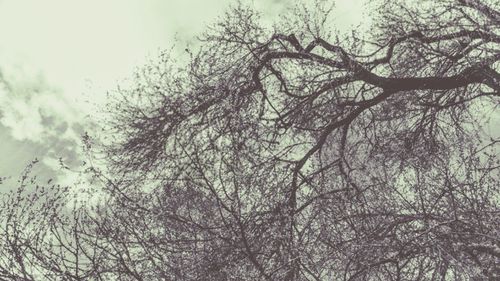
(59, 57)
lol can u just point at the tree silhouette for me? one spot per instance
(295, 153)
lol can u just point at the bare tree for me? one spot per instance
(294, 153)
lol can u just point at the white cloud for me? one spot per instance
(31, 109)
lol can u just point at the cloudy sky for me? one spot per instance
(58, 58)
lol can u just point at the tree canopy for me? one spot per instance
(291, 152)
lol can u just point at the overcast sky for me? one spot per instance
(59, 57)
